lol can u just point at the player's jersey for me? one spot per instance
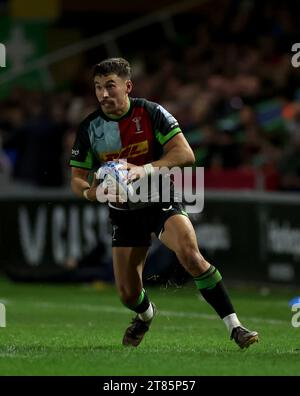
(137, 136)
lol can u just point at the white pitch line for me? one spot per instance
(177, 314)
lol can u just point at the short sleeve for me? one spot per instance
(82, 156)
(165, 124)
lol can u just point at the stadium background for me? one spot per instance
(222, 67)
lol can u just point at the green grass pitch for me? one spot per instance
(77, 330)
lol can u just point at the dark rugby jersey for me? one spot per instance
(137, 136)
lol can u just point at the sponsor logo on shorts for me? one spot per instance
(166, 209)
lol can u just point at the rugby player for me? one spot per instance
(148, 137)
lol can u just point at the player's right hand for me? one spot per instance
(102, 192)
(108, 193)
(90, 193)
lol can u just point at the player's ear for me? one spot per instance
(128, 86)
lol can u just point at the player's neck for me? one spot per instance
(120, 112)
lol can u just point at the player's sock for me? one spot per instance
(142, 307)
(231, 321)
(148, 314)
(211, 287)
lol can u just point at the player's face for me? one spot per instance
(112, 93)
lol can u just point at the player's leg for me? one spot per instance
(179, 236)
(128, 263)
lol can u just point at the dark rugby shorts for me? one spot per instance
(134, 227)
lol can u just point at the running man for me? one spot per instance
(148, 137)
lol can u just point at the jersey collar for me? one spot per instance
(117, 119)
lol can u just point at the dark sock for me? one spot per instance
(211, 287)
(142, 303)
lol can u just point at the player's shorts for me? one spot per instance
(134, 227)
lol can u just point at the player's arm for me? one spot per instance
(92, 192)
(80, 185)
(176, 149)
(82, 162)
(177, 152)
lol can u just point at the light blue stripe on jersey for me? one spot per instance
(104, 136)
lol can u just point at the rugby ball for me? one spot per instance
(112, 176)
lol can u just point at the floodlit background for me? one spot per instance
(223, 68)
(226, 70)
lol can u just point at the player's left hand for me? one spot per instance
(135, 172)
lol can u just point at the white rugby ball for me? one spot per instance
(114, 177)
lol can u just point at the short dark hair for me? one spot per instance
(118, 66)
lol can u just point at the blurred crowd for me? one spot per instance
(228, 79)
